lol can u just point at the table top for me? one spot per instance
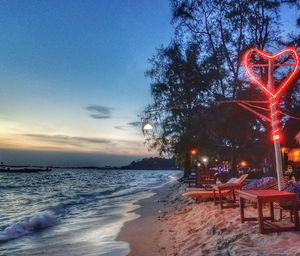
(266, 194)
(227, 186)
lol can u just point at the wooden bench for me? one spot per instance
(268, 196)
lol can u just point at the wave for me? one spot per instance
(8, 187)
(29, 225)
(59, 205)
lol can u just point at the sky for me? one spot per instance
(72, 79)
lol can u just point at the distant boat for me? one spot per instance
(23, 169)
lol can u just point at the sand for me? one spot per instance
(143, 233)
(173, 225)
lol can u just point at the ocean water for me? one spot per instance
(71, 212)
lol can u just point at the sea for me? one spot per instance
(72, 211)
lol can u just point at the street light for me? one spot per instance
(243, 163)
(193, 151)
(147, 126)
(205, 160)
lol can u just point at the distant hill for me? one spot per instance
(152, 163)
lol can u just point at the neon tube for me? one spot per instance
(285, 83)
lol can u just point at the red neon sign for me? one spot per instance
(286, 82)
(271, 92)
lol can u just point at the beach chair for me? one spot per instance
(201, 194)
(286, 184)
(205, 179)
(262, 183)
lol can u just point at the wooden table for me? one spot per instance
(268, 196)
(226, 189)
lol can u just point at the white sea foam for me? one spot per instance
(38, 222)
(87, 210)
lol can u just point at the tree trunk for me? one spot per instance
(234, 170)
(187, 164)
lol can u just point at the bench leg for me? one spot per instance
(296, 216)
(260, 217)
(215, 199)
(272, 211)
(198, 200)
(233, 193)
(242, 206)
(220, 196)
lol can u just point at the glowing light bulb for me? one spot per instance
(148, 126)
(204, 159)
(194, 152)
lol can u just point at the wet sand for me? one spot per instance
(143, 233)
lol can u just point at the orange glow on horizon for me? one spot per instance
(73, 144)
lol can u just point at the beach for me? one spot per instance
(170, 224)
(143, 233)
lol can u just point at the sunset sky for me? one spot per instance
(72, 79)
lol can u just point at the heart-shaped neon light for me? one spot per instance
(286, 82)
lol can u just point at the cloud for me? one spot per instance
(99, 112)
(135, 124)
(120, 127)
(99, 116)
(69, 140)
(128, 126)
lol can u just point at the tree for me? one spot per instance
(225, 29)
(203, 64)
(177, 86)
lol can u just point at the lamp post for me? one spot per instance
(273, 94)
(275, 125)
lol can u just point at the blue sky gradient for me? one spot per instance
(60, 60)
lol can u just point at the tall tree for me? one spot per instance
(224, 29)
(177, 86)
(203, 64)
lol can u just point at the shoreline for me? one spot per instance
(143, 232)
